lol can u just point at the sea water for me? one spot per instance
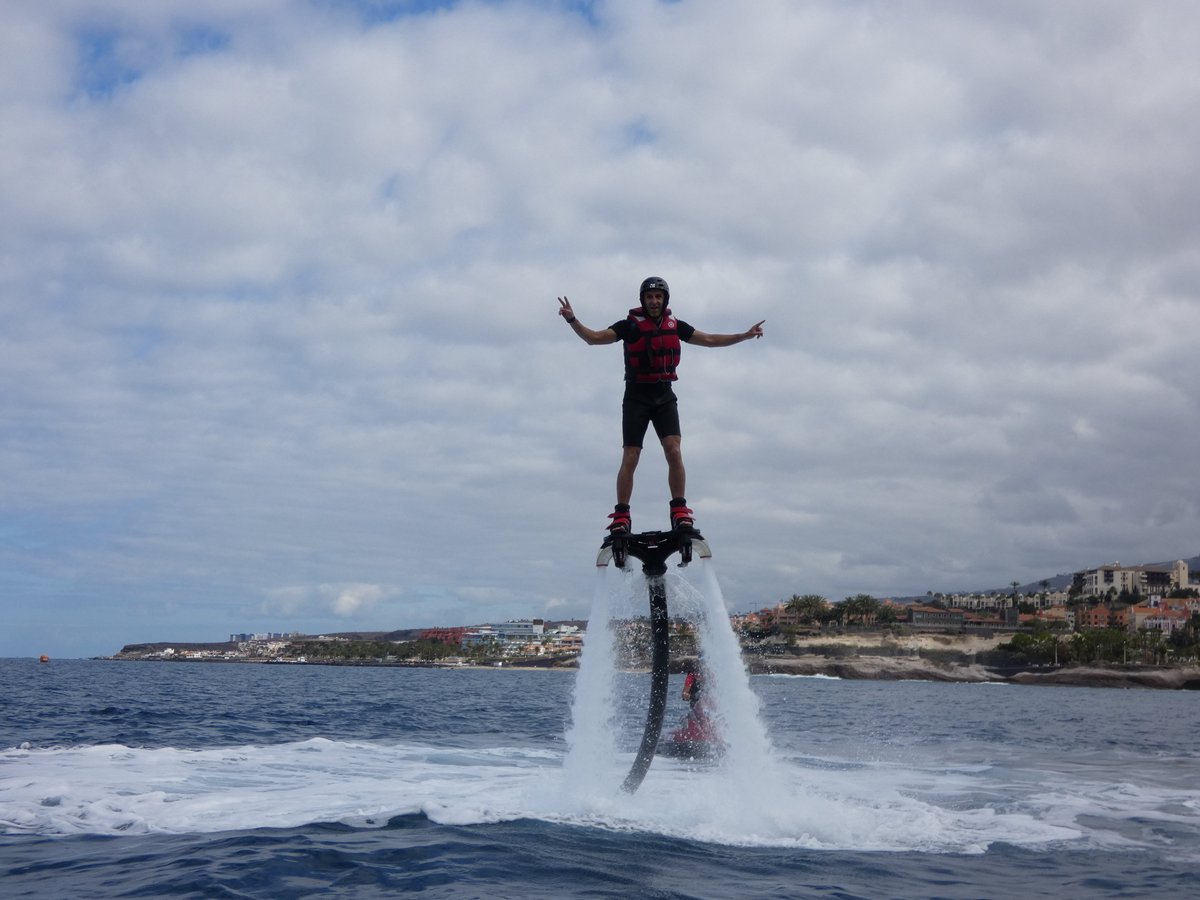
(206, 779)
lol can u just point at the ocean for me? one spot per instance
(126, 779)
(123, 779)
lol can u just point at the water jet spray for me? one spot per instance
(653, 549)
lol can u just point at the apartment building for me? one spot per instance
(1147, 581)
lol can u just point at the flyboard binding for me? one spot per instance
(653, 549)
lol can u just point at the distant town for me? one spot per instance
(1140, 614)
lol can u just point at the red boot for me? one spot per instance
(681, 516)
(621, 521)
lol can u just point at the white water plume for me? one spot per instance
(594, 761)
(590, 736)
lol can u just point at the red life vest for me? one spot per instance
(654, 354)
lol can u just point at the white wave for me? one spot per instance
(113, 789)
(119, 790)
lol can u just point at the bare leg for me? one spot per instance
(629, 461)
(676, 475)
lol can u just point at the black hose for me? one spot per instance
(659, 676)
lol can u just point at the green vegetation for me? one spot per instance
(1103, 645)
(809, 608)
(803, 611)
(424, 650)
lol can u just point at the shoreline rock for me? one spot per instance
(1175, 678)
(885, 668)
(870, 668)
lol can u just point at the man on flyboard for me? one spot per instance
(652, 337)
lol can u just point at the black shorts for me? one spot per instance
(646, 403)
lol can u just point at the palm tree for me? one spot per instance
(809, 607)
(863, 607)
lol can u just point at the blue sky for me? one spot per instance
(278, 279)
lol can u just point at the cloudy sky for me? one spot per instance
(279, 343)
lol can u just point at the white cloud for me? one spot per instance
(277, 306)
(355, 599)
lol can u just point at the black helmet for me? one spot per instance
(654, 283)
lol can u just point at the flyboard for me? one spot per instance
(653, 549)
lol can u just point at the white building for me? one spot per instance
(1147, 581)
(474, 636)
(520, 630)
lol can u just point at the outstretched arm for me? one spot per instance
(703, 339)
(607, 336)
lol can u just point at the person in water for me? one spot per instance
(693, 685)
(652, 337)
(697, 727)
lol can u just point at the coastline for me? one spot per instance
(858, 665)
(862, 655)
(885, 656)
(882, 668)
